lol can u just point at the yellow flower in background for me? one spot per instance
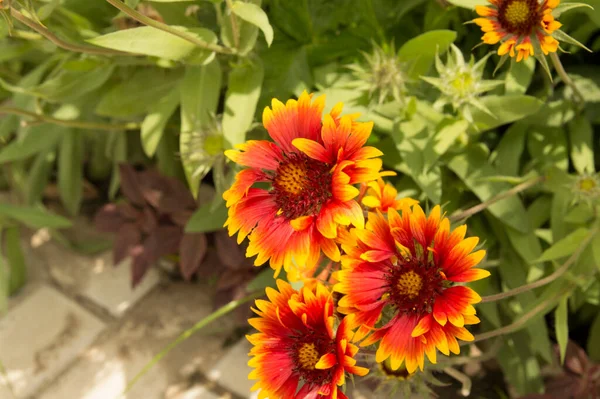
(520, 26)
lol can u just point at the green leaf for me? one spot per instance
(136, 94)
(444, 137)
(519, 363)
(565, 246)
(4, 281)
(595, 244)
(505, 109)
(70, 171)
(69, 85)
(519, 77)
(472, 166)
(263, 280)
(563, 37)
(147, 40)
(509, 150)
(154, 123)
(421, 50)
(287, 71)
(248, 33)
(39, 174)
(243, 91)
(116, 148)
(34, 217)
(582, 147)
(206, 219)
(200, 91)
(36, 139)
(561, 326)
(593, 343)
(255, 15)
(16, 261)
(564, 7)
(548, 147)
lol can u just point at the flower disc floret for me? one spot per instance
(298, 353)
(310, 170)
(400, 283)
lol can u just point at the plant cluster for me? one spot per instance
(457, 112)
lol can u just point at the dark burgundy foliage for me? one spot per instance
(578, 379)
(150, 223)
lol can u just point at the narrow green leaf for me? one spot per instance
(137, 93)
(506, 109)
(34, 217)
(147, 40)
(565, 246)
(471, 166)
(70, 172)
(15, 259)
(39, 174)
(200, 92)
(206, 219)
(582, 147)
(519, 77)
(116, 147)
(564, 7)
(255, 15)
(36, 139)
(563, 37)
(69, 85)
(561, 326)
(421, 50)
(154, 123)
(596, 250)
(243, 91)
(593, 343)
(442, 140)
(510, 149)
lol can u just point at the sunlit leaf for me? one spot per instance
(561, 327)
(565, 246)
(255, 15)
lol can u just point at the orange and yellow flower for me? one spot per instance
(520, 26)
(399, 280)
(310, 169)
(381, 196)
(298, 353)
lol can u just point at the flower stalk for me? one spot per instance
(560, 69)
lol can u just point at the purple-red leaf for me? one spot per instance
(163, 241)
(130, 184)
(230, 253)
(108, 219)
(181, 217)
(140, 263)
(192, 251)
(128, 237)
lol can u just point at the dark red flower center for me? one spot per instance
(301, 186)
(413, 285)
(306, 351)
(519, 17)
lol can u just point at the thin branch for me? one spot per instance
(566, 78)
(169, 29)
(234, 26)
(521, 321)
(461, 215)
(546, 280)
(40, 118)
(464, 380)
(58, 41)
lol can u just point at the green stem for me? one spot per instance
(169, 29)
(234, 26)
(462, 215)
(59, 42)
(222, 311)
(546, 280)
(40, 118)
(560, 69)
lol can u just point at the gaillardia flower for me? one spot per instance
(381, 196)
(310, 169)
(522, 26)
(298, 353)
(401, 274)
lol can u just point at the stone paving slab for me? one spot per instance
(232, 371)
(104, 369)
(95, 277)
(41, 335)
